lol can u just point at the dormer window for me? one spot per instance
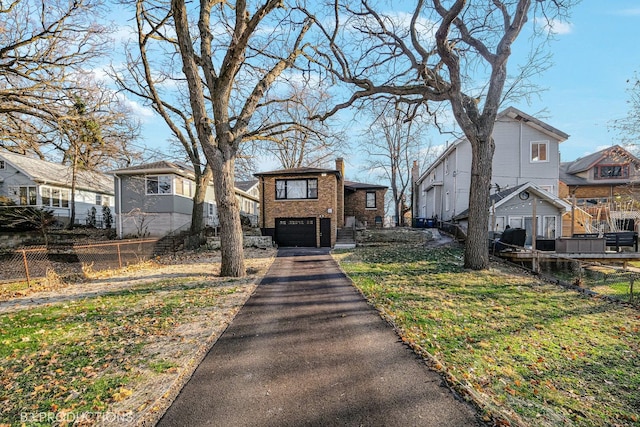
(611, 172)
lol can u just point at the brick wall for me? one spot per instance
(355, 205)
(306, 208)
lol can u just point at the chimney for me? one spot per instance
(340, 166)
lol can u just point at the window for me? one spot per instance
(515, 221)
(539, 151)
(24, 195)
(185, 187)
(160, 184)
(55, 197)
(2, 164)
(611, 171)
(549, 230)
(98, 199)
(371, 200)
(296, 189)
(548, 188)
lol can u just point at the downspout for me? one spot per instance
(119, 210)
(455, 183)
(518, 182)
(262, 202)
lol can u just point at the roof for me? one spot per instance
(182, 169)
(501, 197)
(352, 185)
(48, 173)
(516, 114)
(162, 166)
(298, 171)
(245, 185)
(587, 162)
(570, 179)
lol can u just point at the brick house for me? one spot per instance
(363, 203)
(604, 184)
(306, 206)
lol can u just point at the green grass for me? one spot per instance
(608, 281)
(539, 353)
(79, 356)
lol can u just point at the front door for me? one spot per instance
(325, 232)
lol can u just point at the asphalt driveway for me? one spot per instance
(307, 350)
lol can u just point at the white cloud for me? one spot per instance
(629, 12)
(555, 26)
(140, 111)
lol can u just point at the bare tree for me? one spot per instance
(628, 127)
(288, 133)
(149, 81)
(392, 142)
(455, 52)
(43, 44)
(231, 54)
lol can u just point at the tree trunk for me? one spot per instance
(197, 213)
(72, 196)
(476, 249)
(231, 239)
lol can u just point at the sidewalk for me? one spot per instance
(307, 349)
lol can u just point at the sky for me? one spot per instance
(594, 55)
(593, 58)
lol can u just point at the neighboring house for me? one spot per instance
(155, 199)
(526, 151)
(370, 196)
(605, 184)
(248, 196)
(34, 182)
(515, 207)
(306, 206)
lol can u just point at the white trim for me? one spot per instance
(546, 151)
(544, 226)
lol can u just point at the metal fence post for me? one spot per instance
(119, 257)
(26, 266)
(631, 282)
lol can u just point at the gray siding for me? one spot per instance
(516, 211)
(512, 166)
(512, 163)
(134, 197)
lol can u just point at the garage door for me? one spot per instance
(296, 232)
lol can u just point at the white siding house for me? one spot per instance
(526, 151)
(33, 182)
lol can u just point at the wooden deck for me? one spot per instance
(542, 256)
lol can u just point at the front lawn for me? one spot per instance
(536, 353)
(117, 348)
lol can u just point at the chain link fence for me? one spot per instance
(27, 264)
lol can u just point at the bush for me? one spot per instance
(107, 217)
(23, 218)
